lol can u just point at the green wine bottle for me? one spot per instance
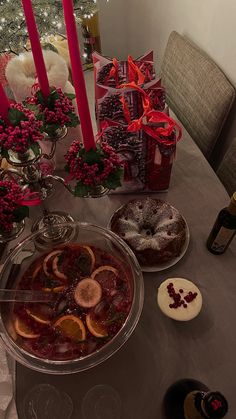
(190, 399)
(224, 229)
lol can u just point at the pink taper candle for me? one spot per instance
(36, 47)
(4, 104)
(78, 75)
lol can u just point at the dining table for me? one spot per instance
(133, 382)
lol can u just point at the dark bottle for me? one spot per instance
(224, 229)
(190, 399)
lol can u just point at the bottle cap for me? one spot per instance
(215, 405)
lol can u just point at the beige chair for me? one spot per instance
(197, 91)
(227, 169)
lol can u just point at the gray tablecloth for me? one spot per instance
(160, 350)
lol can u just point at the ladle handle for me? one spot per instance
(7, 295)
(15, 269)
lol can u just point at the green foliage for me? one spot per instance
(114, 179)
(49, 102)
(20, 213)
(81, 190)
(74, 120)
(15, 116)
(35, 148)
(51, 129)
(70, 95)
(32, 107)
(4, 153)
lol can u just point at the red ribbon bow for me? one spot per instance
(30, 199)
(151, 117)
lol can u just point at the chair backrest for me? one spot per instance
(227, 169)
(197, 91)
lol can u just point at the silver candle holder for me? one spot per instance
(27, 172)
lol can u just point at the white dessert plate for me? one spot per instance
(181, 313)
(171, 262)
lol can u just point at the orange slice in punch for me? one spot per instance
(106, 276)
(96, 328)
(36, 271)
(72, 327)
(47, 259)
(88, 293)
(56, 269)
(90, 253)
(40, 315)
(86, 260)
(55, 289)
(24, 330)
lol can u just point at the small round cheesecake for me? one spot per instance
(179, 299)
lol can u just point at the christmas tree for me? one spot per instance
(49, 17)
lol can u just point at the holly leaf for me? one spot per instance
(92, 156)
(52, 99)
(70, 95)
(21, 213)
(74, 120)
(40, 97)
(50, 129)
(3, 190)
(35, 148)
(32, 107)
(66, 168)
(81, 190)
(114, 179)
(15, 116)
(4, 153)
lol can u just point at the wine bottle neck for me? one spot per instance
(232, 205)
(232, 209)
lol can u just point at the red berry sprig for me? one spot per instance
(21, 132)
(11, 200)
(178, 301)
(55, 111)
(91, 168)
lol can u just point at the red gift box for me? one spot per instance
(147, 149)
(112, 73)
(114, 83)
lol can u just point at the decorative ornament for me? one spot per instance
(100, 167)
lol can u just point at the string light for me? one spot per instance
(49, 16)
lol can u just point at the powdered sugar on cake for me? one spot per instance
(154, 230)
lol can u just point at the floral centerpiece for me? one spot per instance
(20, 132)
(55, 112)
(93, 169)
(12, 208)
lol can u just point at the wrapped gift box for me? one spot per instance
(147, 160)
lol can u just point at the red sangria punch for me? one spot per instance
(93, 292)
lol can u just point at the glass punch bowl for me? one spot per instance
(44, 241)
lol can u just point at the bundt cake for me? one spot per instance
(153, 229)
